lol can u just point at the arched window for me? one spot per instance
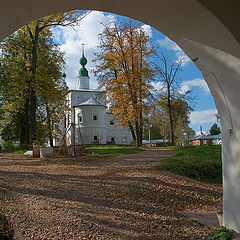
(80, 118)
(94, 116)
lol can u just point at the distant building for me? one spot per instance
(204, 140)
(155, 143)
(88, 121)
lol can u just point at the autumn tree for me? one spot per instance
(49, 86)
(125, 73)
(34, 30)
(30, 36)
(161, 124)
(168, 71)
(51, 90)
(13, 86)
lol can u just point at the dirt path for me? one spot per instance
(121, 198)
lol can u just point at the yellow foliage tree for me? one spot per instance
(125, 72)
(34, 31)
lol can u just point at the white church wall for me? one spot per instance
(91, 124)
(79, 96)
(90, 130)
(121, 135)
(105, 127)
(59, 134)
(83, 82)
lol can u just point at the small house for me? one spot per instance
(205, 140)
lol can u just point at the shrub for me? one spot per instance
(221, 233)
(9, 146)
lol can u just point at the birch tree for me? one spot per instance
(168, 71)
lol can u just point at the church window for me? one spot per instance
(112, 139)
(80, 118)
(111, 122)
(94, 117)
(95, 138)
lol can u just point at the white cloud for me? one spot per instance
(72, 39)
(200, 133)
(196, 82)
(171, 45)
(168, 44)
(158, 86)
(147, 29)
(206, 116)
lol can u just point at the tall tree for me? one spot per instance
(34, 30)
(180, 114)
(27, 46)
(125, 72)
(215, 130)
(51, 89)
(14, 85)
(168, 71)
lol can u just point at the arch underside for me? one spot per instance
(205, 30)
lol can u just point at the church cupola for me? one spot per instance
(83, 78)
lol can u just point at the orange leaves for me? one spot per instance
(125, 70)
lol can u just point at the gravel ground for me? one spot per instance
(120, 198)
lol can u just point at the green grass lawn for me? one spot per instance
(201, 162)
(109, 151)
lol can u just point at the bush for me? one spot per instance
(209, 142)
(8, 146)
(221, 233)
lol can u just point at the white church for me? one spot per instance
(88, 121)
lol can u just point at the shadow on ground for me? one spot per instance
(120, 198)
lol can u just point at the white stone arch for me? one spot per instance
(211, 40)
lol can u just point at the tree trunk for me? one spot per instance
(50, 131)
(24, 136)
(32, 116)
(138, 134)
(172, 139)
(32, 96)
(132, 131)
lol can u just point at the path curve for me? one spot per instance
(120, 198)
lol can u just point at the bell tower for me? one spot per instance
(83, 78)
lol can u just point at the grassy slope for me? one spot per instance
(201, 162)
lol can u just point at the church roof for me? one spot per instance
(92, 102)
(83, 72)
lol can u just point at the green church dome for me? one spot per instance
(83, 61)
(83, 72)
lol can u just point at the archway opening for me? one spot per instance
(217, 59)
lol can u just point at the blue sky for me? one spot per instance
(70, 41)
